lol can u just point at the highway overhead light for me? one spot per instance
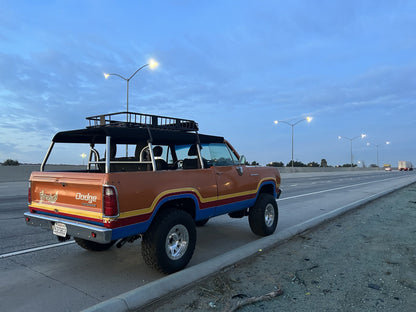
(153, 64)
(377, 145)
(352, 139)
(308, 119)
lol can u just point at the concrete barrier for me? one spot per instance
(22, 172)
(326, 169)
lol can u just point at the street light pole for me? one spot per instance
(152, 64)
(377, 145)
(293, 127)
(308, 119)
(352, 139)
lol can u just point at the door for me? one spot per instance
(236, 188)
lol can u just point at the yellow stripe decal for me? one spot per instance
(72, 211)
(150, 209)
(142, 211)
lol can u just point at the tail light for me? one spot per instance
(110, 201)
(29, 193)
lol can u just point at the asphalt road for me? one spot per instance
(68, 278)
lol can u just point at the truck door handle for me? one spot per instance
(219, 173)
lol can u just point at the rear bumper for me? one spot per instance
(83, 230)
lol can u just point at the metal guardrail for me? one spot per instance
(131, 119)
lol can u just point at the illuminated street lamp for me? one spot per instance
(83, 155)
(362, 136)
(377, 145)
(308, 119)
(152, 64)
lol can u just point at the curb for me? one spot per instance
(151, 292)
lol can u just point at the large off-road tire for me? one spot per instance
(93, 246)
(263, 216)
(169, 243)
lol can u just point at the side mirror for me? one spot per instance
(242, 160)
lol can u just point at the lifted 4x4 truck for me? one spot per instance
(149, 177)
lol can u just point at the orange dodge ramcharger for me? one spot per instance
(149, 177)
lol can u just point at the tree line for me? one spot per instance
(10, 162)
(323, 163)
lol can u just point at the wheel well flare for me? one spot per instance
(185, 204)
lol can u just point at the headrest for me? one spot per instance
(157, 151)
(193, 150)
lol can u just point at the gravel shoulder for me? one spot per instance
(364, 260)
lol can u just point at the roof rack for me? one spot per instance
(130, 119)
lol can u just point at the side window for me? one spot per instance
(218, 154)
(182, 151)
(169, 157)
(233, 156)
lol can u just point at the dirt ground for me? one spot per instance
(364, 260)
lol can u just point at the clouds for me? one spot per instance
(234, 67)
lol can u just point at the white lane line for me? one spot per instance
(21, 252)
(333, 189)
(332, 212)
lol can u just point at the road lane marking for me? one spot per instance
(16, 253)
(24, 251)
(332, 212)
(333, 189)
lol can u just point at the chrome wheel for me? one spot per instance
(169, 243)
(269, 215)
(177, 242)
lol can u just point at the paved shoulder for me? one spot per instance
(361, 261)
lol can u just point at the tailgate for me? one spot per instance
(68, 194)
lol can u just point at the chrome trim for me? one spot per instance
(48, 153)
(269, 215)
(201, 161)
(152, 156)
(93, 152)
(240, 170)
(177, 241)
(74, 228)
(107, 154)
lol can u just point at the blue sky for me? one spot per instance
(233, 66)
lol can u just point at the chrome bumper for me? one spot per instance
(83, 230)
